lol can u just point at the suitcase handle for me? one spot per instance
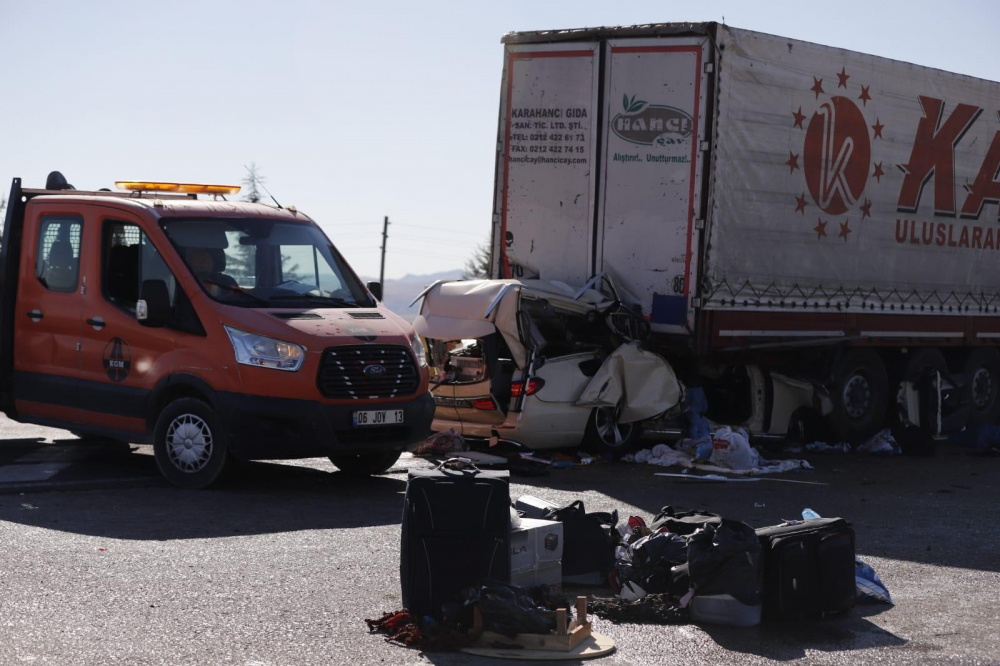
(458, 464)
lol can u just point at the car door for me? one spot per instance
(48, 311)
(122, 360)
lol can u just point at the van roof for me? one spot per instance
(172, 205)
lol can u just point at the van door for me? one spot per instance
(654, 123)
(48, 311)
(122, 360)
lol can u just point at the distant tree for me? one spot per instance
(478, 265)
(250, 191)
(3, 205)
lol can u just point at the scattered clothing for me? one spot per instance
(983, 438)
(870, 586)
(823, 447)
(694, 419)
(881, 444)
(663, 456)
(429, 635)
(732, 449)
(441, 443)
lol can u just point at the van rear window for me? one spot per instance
(57, 261)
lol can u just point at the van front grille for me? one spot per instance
(362, 372)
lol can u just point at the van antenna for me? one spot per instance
(257, 180)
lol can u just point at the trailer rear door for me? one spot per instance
(650, 183)
(544, 208)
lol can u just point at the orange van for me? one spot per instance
(208, 328)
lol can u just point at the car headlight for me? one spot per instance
(417, 345)
(262, 352)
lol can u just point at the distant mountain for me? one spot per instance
(397, 293)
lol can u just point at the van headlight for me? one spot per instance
(261, 352)
(417, 345)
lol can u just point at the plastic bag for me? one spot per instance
(882, 444)
(870, 586)
(731, 449)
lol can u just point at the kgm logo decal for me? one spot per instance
(117, 359)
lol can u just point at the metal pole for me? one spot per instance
(385, 237)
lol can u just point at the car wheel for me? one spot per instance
(365, 465)
(605, 434)
(860, 393)
(189, 444)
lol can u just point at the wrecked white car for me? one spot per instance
(540, 363)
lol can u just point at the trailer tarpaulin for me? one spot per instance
(850, 182)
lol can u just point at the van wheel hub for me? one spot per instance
(189, 443)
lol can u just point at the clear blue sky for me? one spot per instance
(353, 110)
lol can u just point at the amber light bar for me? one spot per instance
(184, 188)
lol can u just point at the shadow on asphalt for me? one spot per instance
(941, 510)
(256, 498)
(794, 641)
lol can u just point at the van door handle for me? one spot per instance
(35, 315)
(96, 322)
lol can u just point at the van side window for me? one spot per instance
(57, 263)
(129, 258)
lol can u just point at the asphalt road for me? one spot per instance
(282, 565)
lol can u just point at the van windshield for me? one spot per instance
(265, 263)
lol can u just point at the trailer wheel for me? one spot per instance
(604, 433)
(189, 444)
(365, 465)
(860, 394)
(982, 376)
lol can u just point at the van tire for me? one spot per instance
(860, 395)
(366, 465)
(199, 461)
(599, 436)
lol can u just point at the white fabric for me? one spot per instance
(643, 380)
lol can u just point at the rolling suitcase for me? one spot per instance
(808, 568)
(456, 534)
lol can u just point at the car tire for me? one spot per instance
(982, 375)
(605, 435)
(366, 465)
(190, 444)
(860, 394)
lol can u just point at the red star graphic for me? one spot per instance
(878, 173)
(793, 162)
(799, 117)
(865, 97)
(817, 86)
(866, 209)
(820, 228)
(878, 129)
(800, 204)
(843, 76)
(844, 230)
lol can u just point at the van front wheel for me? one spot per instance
(189, 444)
(365, 465)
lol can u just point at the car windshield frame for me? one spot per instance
(350, 294)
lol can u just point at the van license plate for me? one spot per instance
(377, 417)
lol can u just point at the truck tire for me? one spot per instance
(982, 376)
(860, 392)
(365, 465)
(604, 434)
(189, 444)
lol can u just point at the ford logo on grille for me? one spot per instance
(374, 370)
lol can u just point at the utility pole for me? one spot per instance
(385, 237)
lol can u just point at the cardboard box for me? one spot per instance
(534, 543)
(549, 573)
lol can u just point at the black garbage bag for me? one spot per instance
(683, 522)
(509, 610)
(649, 562)
(726, 560)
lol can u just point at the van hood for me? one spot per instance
(322, 327)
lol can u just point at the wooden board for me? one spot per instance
(596, 645)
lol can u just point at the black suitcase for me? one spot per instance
(808, 568)
(456, 534)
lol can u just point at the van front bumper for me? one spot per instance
(264, 428)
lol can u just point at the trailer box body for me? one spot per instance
(741, 186)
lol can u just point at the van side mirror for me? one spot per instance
(153, 308)
(376, 289)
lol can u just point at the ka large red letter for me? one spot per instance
(987, 187)
(933, 154)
